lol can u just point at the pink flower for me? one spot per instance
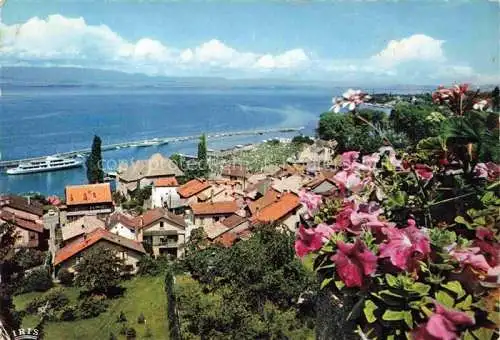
(350, 99)
(480, 105)
(348, 158)
(489, 246)
(489, 171)
(423, 171)
(405, 247)
(350, 181)
(310, 200)
(485, 234)
(370, 161)
(343, 218)
(469, 256)
(312, 239)
(353, 262)
(443, 325)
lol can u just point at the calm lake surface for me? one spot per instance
(44, 120)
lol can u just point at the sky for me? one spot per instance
(386, 42)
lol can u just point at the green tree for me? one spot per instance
(349, 132)
(202, 156)
(495, 96)
(256, 300)
(8, 315)
(95, 173)
(99, 270)
(415, 121)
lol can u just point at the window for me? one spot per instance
(161, 224)
(124, 255)
(172, 238)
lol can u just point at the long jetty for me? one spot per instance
(154, 142)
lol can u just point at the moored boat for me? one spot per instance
(50, 163)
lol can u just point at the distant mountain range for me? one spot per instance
(73, 76)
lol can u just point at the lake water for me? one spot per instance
(45, 120)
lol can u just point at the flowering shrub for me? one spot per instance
(417, 273)
(413, 237)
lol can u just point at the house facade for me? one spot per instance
(143, 173)
(163, 233)
(285, 210)
(87, 200)
(129, 251)
(27, 217)
(164, 192)
(203, 214)
(76, 229)
(124, 225)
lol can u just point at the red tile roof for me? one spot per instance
(287, 203)
(88, 194)
(233, 221)
(153, 215)
(92, 238)
(192, 187)
(215, 208)
(21, 223)
(227, 239)
(269, 197)
(21, 203)
(166, 182)
(126, 220)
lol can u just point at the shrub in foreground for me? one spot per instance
(65, 277)
(38, 280)
(92, 306)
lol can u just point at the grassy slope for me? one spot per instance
(143, 294)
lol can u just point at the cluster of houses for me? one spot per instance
(228, 208)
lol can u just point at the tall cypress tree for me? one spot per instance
(202, 156)
(95, 174)
(496, 99)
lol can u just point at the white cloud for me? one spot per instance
(72, 39)
(63, 41)
(289, 59)
(418, 47)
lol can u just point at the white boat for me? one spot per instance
(50, 163)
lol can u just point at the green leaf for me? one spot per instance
(480, 220)
(356, 310)
(455, 287)
(408, 319)
(461, 220)
(483, 333)
(391, 280)
(445, 299)
(468, 336)
(370, 307)
(325, 282)
(427, 311)
(466, 304)
(392, 315)
(339, 284)
(421, 288)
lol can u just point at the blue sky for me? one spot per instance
(419, 42)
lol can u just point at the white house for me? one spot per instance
(164, 192)
(124, 225)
